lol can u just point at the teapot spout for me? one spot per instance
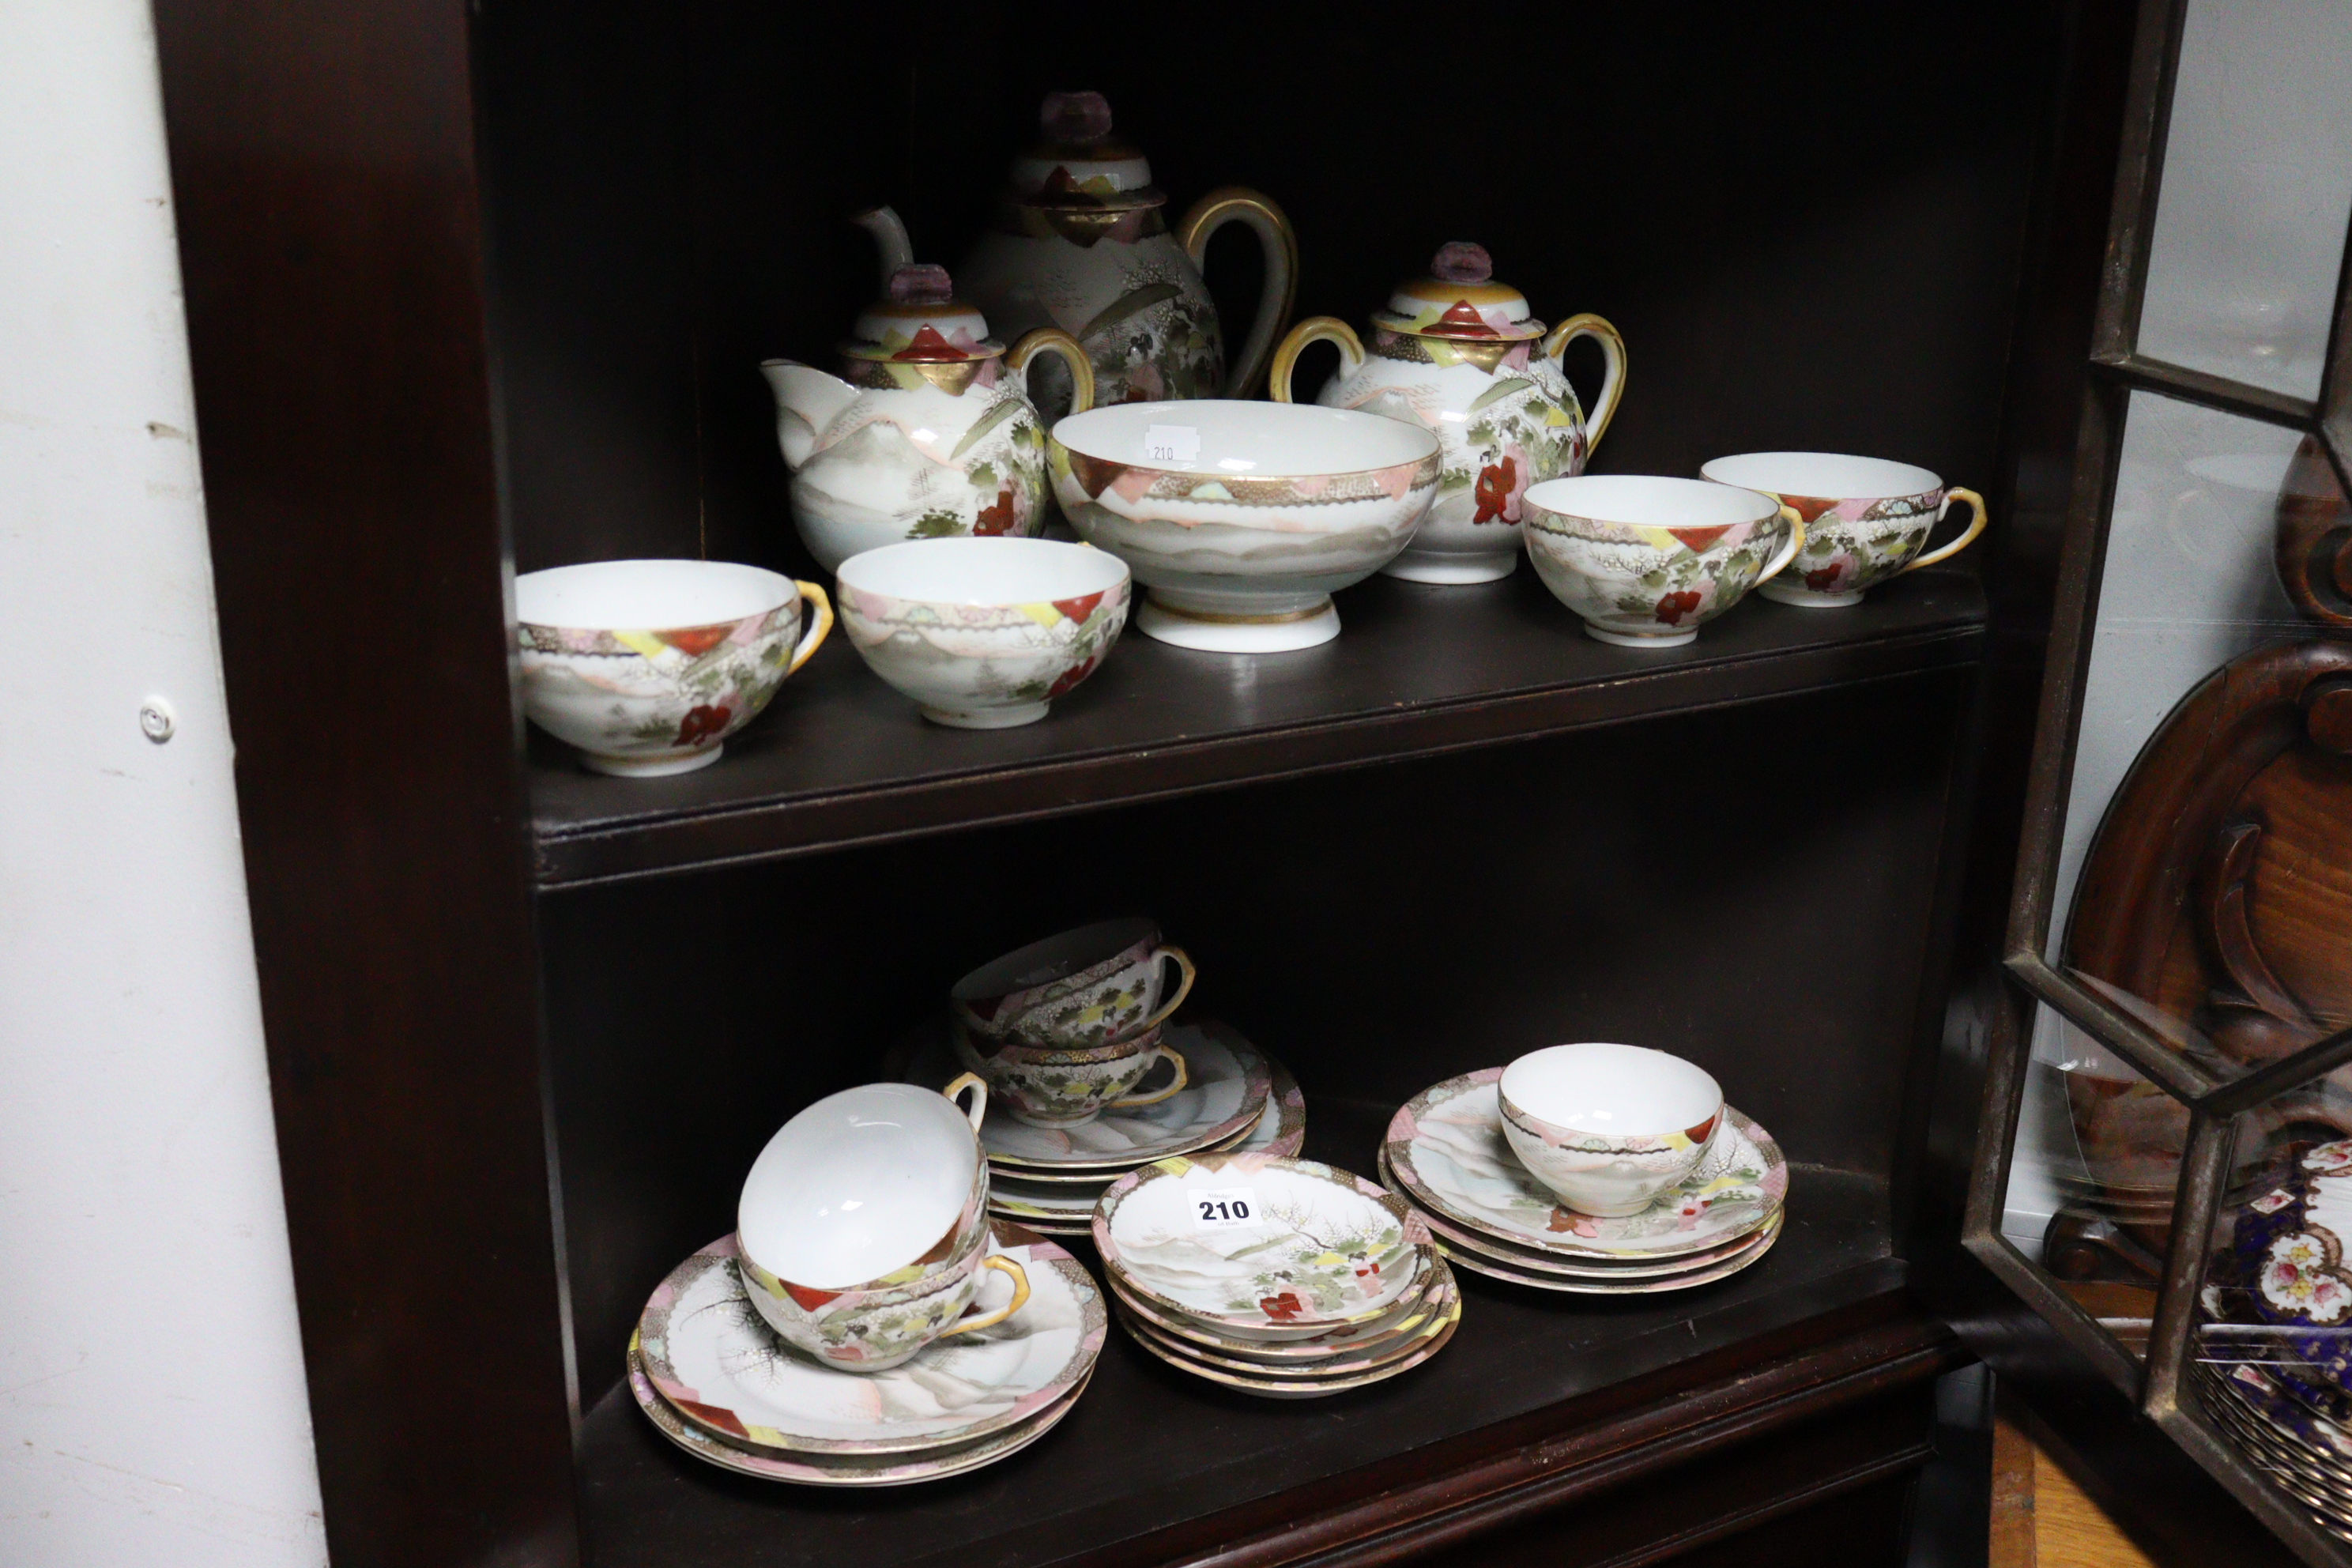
(889, 234)
(807, 400)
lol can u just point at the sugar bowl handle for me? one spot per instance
(1313, 329)
(978, 1108)
(1612, 375)
(1788, 551)
(1003, 1265)
(1237, 203)
(1184, 1077)
(1976, 526)
(1054, 341)
(820, 622)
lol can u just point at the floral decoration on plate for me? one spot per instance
(1435, 1313)
(1306, 1388)
(1250, 1345)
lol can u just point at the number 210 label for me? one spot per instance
(1223, 1208)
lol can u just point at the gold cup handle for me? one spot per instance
(1237, 203)
(821, 624)
(1976, 526)
(1612, 375)
(1184, 1077)
(1003, 1265)
(1054, 341)
(1183, 961)
(1788, 551)
(1313, 329)
(978, 1108)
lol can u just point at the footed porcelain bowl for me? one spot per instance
(1608, 1127)
(1243, 519)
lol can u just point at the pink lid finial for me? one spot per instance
(1462, 262)
(1075, 116)
(920, 283)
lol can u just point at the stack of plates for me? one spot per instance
(1445, 1153)
(1238, 1099)
(1273, 1276)
(2308, 1456)
(719, 1384)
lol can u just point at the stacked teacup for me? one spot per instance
(864, 1280)
(1090, 1075)
(1599, 1169)
(1273, 1276)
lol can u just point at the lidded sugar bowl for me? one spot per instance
(1465, 356)
(927, 433)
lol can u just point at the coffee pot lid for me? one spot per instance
(921, 322)
(1460, 298)
(1080, 164)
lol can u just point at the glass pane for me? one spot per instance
(2257, 185)
(2188, 862)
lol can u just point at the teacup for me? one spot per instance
(863, 1227)
(1865, 519)
(1608, 1127)
(1076, 990)
(1047, 1086)
(1646, 560)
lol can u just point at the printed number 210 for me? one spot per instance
(1224, 1208)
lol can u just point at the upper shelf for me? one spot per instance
(840, 758)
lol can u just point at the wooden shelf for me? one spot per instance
(840, 758)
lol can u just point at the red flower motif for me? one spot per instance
(1284, 1308)
(1824, 580)
(1367, 1268)
(1496, 483)
(706, 723)
(1675, 606)
(998, 519)
(1071, 676)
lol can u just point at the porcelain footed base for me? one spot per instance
(1007, 718)
(1806, 599)
(1427, 567)
(650, 767)
(1238, 633)
(1631, 639)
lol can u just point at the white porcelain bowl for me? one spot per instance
(1646, 560)
(648, 666)
(1243, 519)
(984, 634)
(1609, 1127)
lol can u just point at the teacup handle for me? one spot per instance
(979, 1087)
(1236, 204)
(1313, 329)
(1184, 1077)
(1003, 1264)
(1054, 341)
(1183, 988)
(1976, 526)
(1612, 375)
(1789, 550)
(814, 638)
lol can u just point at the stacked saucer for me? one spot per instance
(719, 1383)
(1275, 1276)
(1237, 1098)
(1445, 1153)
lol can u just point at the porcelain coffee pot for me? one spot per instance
(924, 433)
(1464, 356)
(1081, 242)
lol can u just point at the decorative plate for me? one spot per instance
(1229, 1086)
(811, 1472)
(1445, 1147)
(1708, 1275)
(1278, 1247)
(1440, 1311)
(1456, 1238)
(1303, 1388)
(1355, 1339)
(712, 1358)
(2242, 1413)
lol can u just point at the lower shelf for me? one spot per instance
(1149, 1451)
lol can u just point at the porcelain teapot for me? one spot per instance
(1464, 356)
(1081, 242)
(928, 433)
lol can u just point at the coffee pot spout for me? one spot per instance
(807, 400)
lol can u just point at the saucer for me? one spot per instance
(1707, 1275)
(1456, 1239)
(1435, 1314)
(1303, 1388)
(1357, 1338)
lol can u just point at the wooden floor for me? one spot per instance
(2041, 1518)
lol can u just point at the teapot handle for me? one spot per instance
(1612, 379)
(1313, 329)
(1054, 341)
(1237, 203)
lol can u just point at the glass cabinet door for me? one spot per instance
(2168, 1176)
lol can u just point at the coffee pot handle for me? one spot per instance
(1976, 526)
(1054, 341)
(1788, 551)
(1313, 329)
(1612, 377)
(1237, 203)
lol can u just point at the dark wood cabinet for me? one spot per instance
(476, 290)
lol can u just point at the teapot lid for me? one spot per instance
(1080, 164)
(1460, 298)
(920, 320)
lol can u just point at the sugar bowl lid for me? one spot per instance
(920, 320)
(1079, 162)
(1460, 298)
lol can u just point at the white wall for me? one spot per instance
(152, 1402)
